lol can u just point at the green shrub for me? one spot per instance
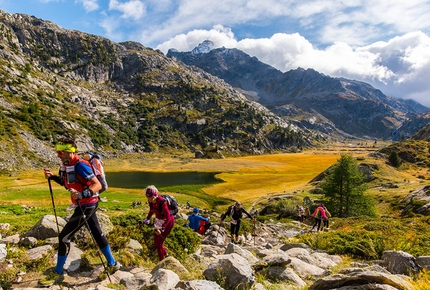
(358, 244)
(180, 243)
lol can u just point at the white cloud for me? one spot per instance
(89, 5)
(134, 9)
(110, 26)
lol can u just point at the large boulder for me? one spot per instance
(46, 227)
(164, 279)
(233, 269)
(232, 248)
(278, 273)
(356, 278)
(398, 262)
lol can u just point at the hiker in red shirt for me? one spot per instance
(319, 214)
(83, 186)
(163, 222)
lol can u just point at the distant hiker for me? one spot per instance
(77, 176)
(307, 214)
(326, 221)
(198, 223)
(318, 214)
(235, 212)
(300, 213)
(164, 220)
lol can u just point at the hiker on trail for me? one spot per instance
(164, 220)
(77, 176)
(307, 214)
(326, 220)
(300, 213)
(198, 223)
(235, 212)
(318, 214)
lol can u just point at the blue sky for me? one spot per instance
(385, 43)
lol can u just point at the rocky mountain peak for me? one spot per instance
(203, 47)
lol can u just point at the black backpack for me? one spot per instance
(172, 203)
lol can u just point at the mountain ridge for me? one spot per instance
(309, 91)
(120, 98)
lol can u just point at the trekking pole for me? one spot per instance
(53, 205)
(94, 240)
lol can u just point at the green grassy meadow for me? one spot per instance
(25, 196)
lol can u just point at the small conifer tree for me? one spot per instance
(344, 189)
(394, 159)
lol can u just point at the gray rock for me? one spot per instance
(323, 260)
(73, 261)
(198, 285)
(273, 260)
(233, 269)
(286, 247)
(38, 252)
(361, 277)
(423, 262)
(398, 262)
(46, 227)
(232, 248)
(164, 279)
(278, 273)
(12, 240)
(304, 269)
(170, 263)
(28, 242)
(134, 246)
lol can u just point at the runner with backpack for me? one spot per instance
(164, 220)
(235, 213)
(77, 176)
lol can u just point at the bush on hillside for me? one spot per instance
(394, 159)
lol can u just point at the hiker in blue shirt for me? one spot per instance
(198, 223)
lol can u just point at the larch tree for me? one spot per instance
(344, 189)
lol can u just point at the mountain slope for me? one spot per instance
(118, 98)
(353, 107)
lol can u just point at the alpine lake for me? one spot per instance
(143, 179)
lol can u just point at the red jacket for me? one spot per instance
(161, 210)
(71, 177)
(319, 213)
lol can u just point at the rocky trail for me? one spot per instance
(269, 259)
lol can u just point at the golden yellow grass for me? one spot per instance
(245, 178)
